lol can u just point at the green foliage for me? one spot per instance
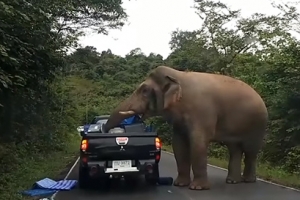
(99, 81)
(38, 114)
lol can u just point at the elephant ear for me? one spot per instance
(172, 92)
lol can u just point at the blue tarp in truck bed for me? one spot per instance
(127, 121)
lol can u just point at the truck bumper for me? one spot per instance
(103, 168)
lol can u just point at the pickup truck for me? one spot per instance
(128, 150)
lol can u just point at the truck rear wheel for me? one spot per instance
(83, 178)
(152, 179)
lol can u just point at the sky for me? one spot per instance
(151, 23)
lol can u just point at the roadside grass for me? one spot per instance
(54, 166)
(264, 171)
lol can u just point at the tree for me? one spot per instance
(37, 111)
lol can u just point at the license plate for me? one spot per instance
(120, 164)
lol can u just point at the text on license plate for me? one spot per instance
(118, 164)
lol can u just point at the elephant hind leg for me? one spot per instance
(251, 152)
(182, 156)
(234, 165)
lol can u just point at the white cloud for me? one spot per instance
(152, 21)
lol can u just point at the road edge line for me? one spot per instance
(259, 179)
(67, 176)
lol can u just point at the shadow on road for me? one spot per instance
(119, 187)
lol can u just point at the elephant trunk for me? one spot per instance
(117, 116)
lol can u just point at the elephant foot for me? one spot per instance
(249, 179)
(231, 180)
(182, 181)
(198, 184)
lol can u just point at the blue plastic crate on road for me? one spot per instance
(47, 187)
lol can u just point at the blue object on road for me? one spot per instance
(39, 192)
(48, 186)
(45, 183)
(48, 183)
(64, 185)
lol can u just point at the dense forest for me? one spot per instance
(46, 92)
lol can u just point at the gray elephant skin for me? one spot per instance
(203, 108)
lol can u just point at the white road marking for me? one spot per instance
(67, 176)
(262, 180)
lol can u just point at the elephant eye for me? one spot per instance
(146, 91)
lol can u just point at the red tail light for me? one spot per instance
(84, 145)
(157, 157)
(84, 159)
(158, 143)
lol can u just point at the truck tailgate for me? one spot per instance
(136, 146)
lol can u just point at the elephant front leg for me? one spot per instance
(199, 148)
(182, 157)
(234, 165)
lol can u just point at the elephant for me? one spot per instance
(202, 108)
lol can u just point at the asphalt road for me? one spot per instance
(219, 190)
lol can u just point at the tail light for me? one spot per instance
(84, 145)
(158, 143)
(157, 157)
(84, 159)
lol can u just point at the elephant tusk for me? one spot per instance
(130, 112)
